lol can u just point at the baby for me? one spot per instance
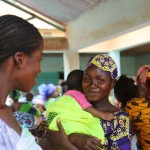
(74, 84)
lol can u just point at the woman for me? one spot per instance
(98, 80)
(21, 47)
(143, 77)
(135, 100)
(20, 55)
(51, 94)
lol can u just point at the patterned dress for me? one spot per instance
(139, 113)
(25, 119)
(117, 132)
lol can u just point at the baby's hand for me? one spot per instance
(107, 116)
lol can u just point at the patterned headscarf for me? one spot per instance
(41, 89)
(105, 63)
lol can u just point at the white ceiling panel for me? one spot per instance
(61, 10)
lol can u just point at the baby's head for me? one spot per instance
(74, 80)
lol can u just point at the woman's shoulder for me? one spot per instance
(117, 131)
(137, 104)
(8, 136)
(138, 101)
(4, 127)
(121, 121)
(120, 113)
(122, 118)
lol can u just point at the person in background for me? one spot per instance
(143, 77)
(28, 107)
(74, 84)
(25, 119)
(64, 87)
(21, 47)
(39, 98)
(59, 90)
(15, 106)
(137, 106)
(34, 109)
(142, 91)
(24, 112)
(41, 89)
(51, 94)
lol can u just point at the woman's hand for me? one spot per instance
(59, 138)
(85, 142)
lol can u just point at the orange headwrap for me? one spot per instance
(143, 74)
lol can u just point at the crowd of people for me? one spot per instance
(79, 117)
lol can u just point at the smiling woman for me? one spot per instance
(20, 53)
(98, 80)
(21, 48)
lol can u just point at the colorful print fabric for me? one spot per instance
(139, 112)
(105, 63)
(117, 132)
(25, 119)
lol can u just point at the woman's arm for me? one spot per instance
(58, 139)
(85, 142)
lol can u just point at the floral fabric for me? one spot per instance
(105, 63)
(25, 119)
(117, 132)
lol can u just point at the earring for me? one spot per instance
(111, 92)
(20, 67)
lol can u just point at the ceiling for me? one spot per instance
(57, 12)
(138, 50)
(61, 12)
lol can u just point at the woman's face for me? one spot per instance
(30, 70)
(96, 84)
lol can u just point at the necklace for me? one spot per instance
(3, 107)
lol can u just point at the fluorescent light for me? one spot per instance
(38, 15)
(8, 9)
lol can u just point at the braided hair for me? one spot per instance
(17, 35)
